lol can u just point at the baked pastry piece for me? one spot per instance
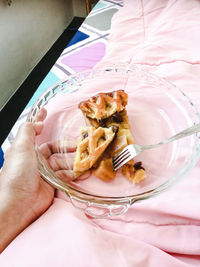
(107, 110)
(104, 105)
(91, 146)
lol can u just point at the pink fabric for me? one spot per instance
(163, 36)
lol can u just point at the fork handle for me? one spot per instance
(184, 133)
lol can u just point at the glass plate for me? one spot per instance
(156, 110)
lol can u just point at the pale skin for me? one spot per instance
(24, 195)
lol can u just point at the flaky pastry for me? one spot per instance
(103, 111)
(91, 146)
(104, 105)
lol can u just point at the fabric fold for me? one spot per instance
(162, 37)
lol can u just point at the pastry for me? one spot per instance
(104, 105)
(91, 146)
(107, 110)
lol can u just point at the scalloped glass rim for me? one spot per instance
(50, 177)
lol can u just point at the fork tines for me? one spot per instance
(123, 157)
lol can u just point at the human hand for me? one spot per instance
(20, 176)
(59, 156)
(24, 195)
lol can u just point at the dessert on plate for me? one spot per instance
(108, 131)
(91, 145)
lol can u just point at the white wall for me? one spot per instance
(28, 28)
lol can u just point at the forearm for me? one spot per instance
(8, 225)
(12, 222)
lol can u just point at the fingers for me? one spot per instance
(50, 148)
(68, 175)
(65, 175)
(84, 176)
(56, 157)
(63, 146)
(41, 115)
(22, 149)
(25, 137)
(45, 150)
(38, 126)
(61, 162)
(63, 167)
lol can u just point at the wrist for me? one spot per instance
(13, 219)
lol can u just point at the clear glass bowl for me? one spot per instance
(156, 110)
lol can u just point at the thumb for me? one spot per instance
(25, 138)
(38, 126)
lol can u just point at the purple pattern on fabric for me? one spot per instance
(86, 58)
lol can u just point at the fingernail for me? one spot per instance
(38, 126)
(38, 123)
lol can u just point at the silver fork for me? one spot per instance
(133, 150)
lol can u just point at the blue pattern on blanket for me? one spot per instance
(49, 80)
(1, 157)
(78, 37)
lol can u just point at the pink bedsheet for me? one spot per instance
(163, 36)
